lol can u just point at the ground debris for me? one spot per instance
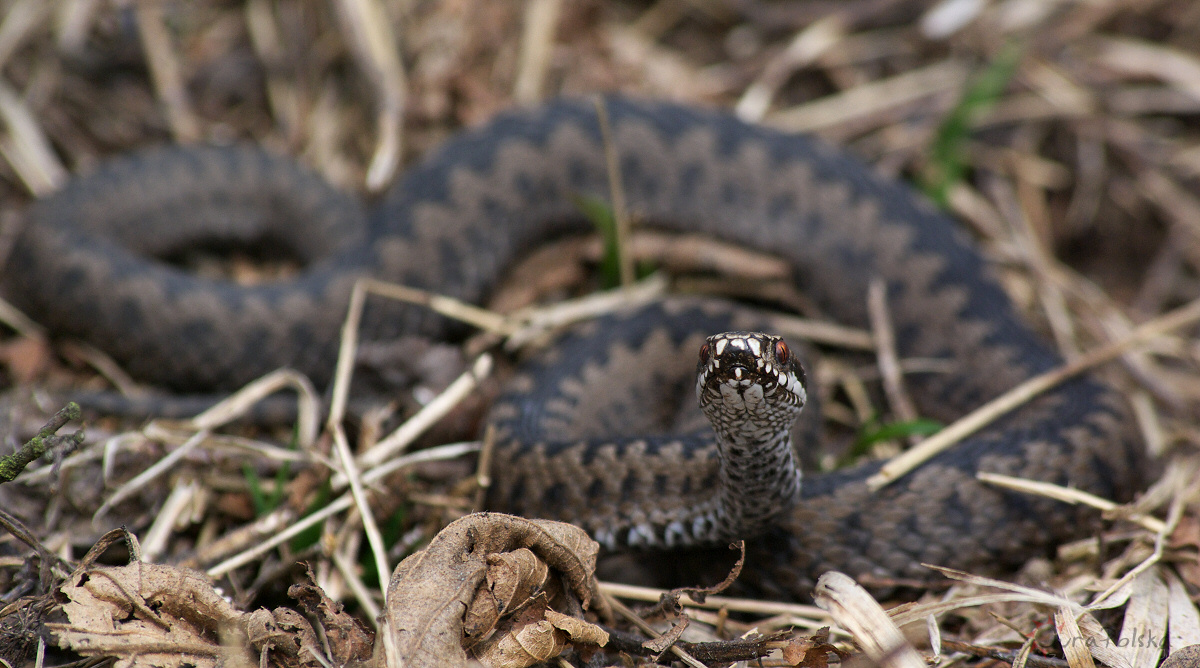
(503, 606)
(165, 616)
(150, 615)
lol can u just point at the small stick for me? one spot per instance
(165, 70)
(1066, 495)
(748, 605)
(370, 526)
(885, 352)
(649, 630)
(985, 414)
(430, 413)
(26, 147)
(373, 43)
(537, 44)
(12, 465)
(483, 468)
(160, 467)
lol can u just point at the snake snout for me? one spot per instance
(735, 362)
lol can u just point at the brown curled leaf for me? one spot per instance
(522, 640)
(512, 580)
(285, 637)
(812, 652)
(514, 577)
(348, 639)
(430, 592)
(535, 635)
(150, 615)
(579, 631)
(158, 615)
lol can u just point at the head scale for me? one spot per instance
(749, 380)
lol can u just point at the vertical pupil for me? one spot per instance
(781, 351)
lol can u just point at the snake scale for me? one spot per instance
(456, 221)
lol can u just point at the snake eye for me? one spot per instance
(782, 352)
(704, 354)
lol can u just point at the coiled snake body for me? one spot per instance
(456, 221)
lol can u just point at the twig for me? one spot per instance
(234, 406)
(26, 147)
(1174, 514)
(161, 466)
(370, 526)
(45, 440)
(863, 101)
(821, 331)
(885, 352)
(537, 43)
(628, 614)
(338, 505)
(373, 43)
(165, 70)
(483, 468)
(19, 322)
(1006, 655)
(746, 605)
(804, 49)
(430, 413)
(1066, 495)
(985, 414)
(282, 95)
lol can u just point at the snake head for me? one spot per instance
(750, 383)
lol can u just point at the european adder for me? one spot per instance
(455, 222)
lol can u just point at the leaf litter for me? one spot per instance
(1075, 177)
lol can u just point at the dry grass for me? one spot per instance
(1063, 134)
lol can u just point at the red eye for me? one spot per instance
(704, 354)
(782, 353)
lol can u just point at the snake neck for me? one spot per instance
(759, 480)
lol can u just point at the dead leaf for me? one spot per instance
(535, 635)
(578, 630)
(431, 592)
(812, 652)
(854, 610)
(523, 640)
(150, 615)
(1186, 539)
(349, 641)
(167, 616)
(512, 580)
(284, 636)
(1073, 640)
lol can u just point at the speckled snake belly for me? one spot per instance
(456, 221)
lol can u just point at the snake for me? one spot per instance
(580, 434)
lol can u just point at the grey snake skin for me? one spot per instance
(570, 447)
